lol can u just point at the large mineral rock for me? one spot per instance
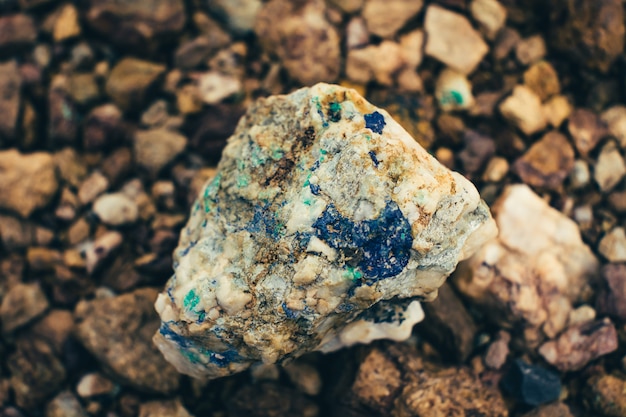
(322, 207)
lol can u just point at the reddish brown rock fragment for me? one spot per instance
(580, 344)
(16, 31)
(10, 84)
(547, 163)
(612, 297)
(378, 381)
(587, 128)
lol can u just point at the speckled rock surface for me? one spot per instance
(322, 207)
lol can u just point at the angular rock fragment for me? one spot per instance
(452, 40)
(580, 344)
(135, 22)
(10, 85)
(612, 297)
(385, 17)
(531, 384)
(605, 394)
(117, 332)
(547, 163)
(523, 109)
(130, 80)
(21, 305)
(305, 42)
(322, 207)
(27, 181)
(529, 277)
(591, 33)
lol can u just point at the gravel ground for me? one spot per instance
(113, 114)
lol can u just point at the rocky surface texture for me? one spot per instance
(322, 207)
(115, 114)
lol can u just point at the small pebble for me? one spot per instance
(613, 245)
(100, 250)
(550, 410)
(583, 215)
(523, 109)
(305, 377)
(163, 408)
(65, 404)
(580, 344)
(357, 35)
(21, 305)
(543, 80)
(490, 15)
(530, 50)
(547, 163)
(605, 393)
(453, 91)
(156, 148)
(385, 17)
(116, 209)
(615, 120)
(586, 129)
(582, 314)
(610, 167)
(94, 185)
(580, 175)
(496, 169)
(214, 87)
(129, 81)
(94, 384)
(612, 295)
(556, 110)
(531, 384)
(452, 40)
(498, 351)
(265, 372)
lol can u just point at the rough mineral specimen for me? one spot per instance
(324, 226)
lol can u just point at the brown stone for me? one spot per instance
(22, 304)
(65, 405)
(27, 181)
(156, 148)
(587, 128)
(299, 34)
(135, 22)
(449, 325)
(477, 151)
(378, 381)
(117, 165)
(16, 31)
(605, 394)
(197, 51)
(591, 33)
(36, 372)
(129, 81)
(55, 328)
(580, 344)
(557, 409)
(543, 80)
(547, 163)
(10, 85)
(118, 332)
(385, 17)
(63, 117)
(270, 399)
(611, 299)
(103, 128)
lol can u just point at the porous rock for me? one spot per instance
(305, 42)
(322, 206)
(529, 277)
(117, 331)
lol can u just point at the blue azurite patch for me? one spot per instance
(264, 221)
(382, 246)
(374, 158)
(375, 121)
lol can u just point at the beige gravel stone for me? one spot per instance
(523, 109)
(27, 181)
(610, 167)
(452, 40)
(385, 17)
(490, 15)
(613, 245)
(557, 110)
(530, 50)
(615, 119)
